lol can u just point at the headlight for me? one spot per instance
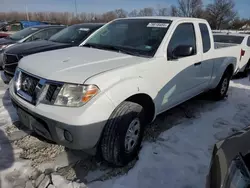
(75, 95)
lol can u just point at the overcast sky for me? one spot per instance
(243, 6)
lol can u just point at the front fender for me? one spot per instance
(123, 89)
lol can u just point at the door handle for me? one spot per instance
(197, 64)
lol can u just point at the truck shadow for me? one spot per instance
(6, 149)
(242, 80)
(9, 107)
(6, 152)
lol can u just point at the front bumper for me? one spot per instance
(76, 130)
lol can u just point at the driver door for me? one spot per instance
(183, 81)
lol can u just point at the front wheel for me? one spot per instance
(220, 91)
(122, 135)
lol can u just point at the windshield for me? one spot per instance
(228, 39)
(73, 34)
(140, 36)
(23, 33)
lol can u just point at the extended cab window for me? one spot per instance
(184, 34)
(140, 37)
(205, 37)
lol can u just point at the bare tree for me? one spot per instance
(238, 23)
(162, 11)
(190, 8)
(174, 11)
(108, 16)
(221, 13)
(120, 13)
(146, 12)
(133, 13)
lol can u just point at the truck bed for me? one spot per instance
(218, 45)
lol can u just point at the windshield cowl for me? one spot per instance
(119, 49)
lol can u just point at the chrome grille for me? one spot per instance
(51, 92)
(34, 89)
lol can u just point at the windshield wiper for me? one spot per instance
(98, 46)
(129, 52)
(114, 48)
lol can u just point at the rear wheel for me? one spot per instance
(122, 136)
(220, 91)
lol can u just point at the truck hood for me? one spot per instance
(28, 48)
(75, 64)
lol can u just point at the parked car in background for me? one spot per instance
(237, 39)
(14, 26)
(101, 96)
(230, 162)
(41, 32)
(3, 30)
(3, 35)
(71, 36)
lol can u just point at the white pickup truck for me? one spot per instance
(102, 95)
(241, 39)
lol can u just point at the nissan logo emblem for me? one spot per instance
(26, 84)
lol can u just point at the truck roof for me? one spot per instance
(165, 18)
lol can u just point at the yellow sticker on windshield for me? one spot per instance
(159, 25)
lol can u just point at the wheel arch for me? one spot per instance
(218, 75)
(147, 103)
(230, 69)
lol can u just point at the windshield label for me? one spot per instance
(159, 25)
(84, 29)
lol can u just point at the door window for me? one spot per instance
(184, 34)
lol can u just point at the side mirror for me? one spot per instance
(182, 51)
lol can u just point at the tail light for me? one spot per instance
(242, 53)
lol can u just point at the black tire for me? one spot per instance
(219, 93)
(113, 138)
